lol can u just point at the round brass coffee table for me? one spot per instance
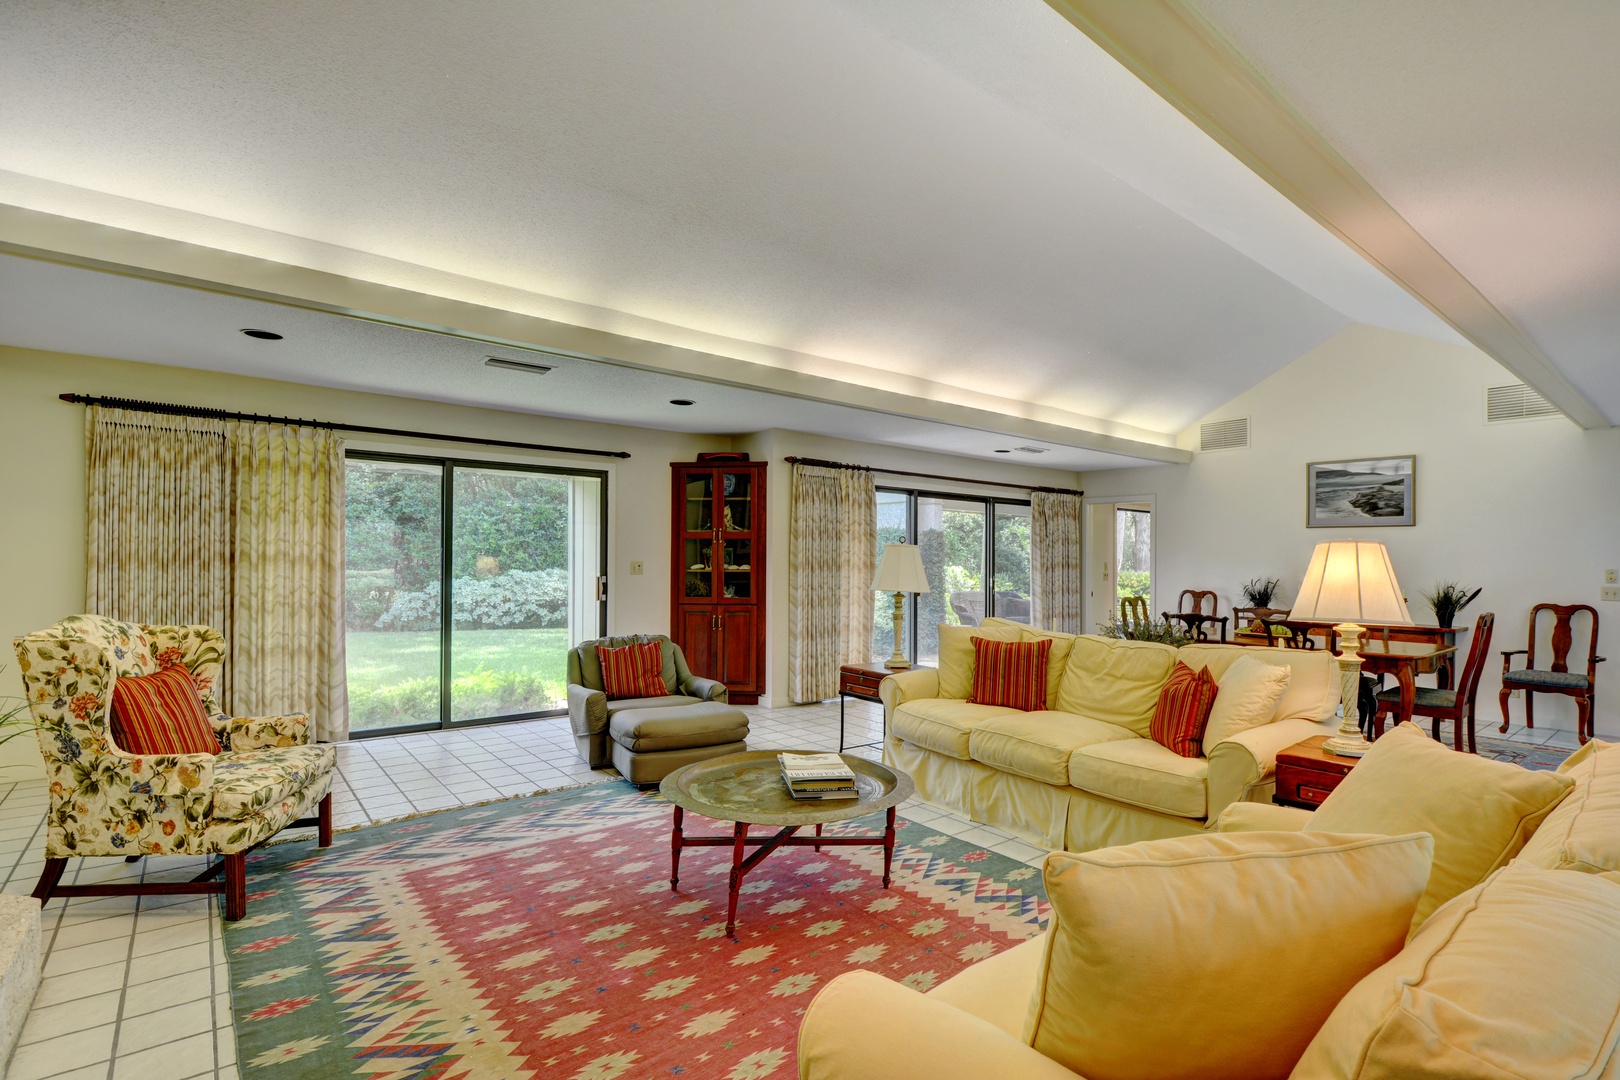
(748, 789)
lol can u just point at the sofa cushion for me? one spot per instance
(942, 725)
(1038, 745)
(161, 713)
(1056, 661)
(1115, 681)
(632, 671)
(682, 727)
(1518, 977)
(1010, 673)
(956, 654)
(1183, 710)
(1313, 680)
(1143, 773)
(1480, 812)
(997, 989)
(249, 780)
(1250, 691)
(1214, 956)
(1583, 831)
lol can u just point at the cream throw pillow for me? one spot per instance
(1519, 977)
(956, 654)
(1056, 660)
(1583, 832)
(1246, 697)
(1480, 812)
(1214, 956)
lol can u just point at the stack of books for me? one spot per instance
(817, 776)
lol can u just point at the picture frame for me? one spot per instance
(1359, 493)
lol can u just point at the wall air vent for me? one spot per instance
(1516, 402)
(530, 366)
(1030, 449)
(1224, 435)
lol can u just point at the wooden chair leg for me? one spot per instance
(1529, 708)
(1503, 698)
(133, 858)
(325, 828)
(48, 879)
(235, 886)
(1583, 719)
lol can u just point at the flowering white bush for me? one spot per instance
(517, 598)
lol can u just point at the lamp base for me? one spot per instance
(1348, 741)
(898, 661)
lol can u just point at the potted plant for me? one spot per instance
(1447, 599)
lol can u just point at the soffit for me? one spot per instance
(966, 199)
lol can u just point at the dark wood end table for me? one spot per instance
(1306, 773)
(748, 789)
(861, 681)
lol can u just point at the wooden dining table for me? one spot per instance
(1405, 660)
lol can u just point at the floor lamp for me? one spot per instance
(1350, 582)
(900, 572)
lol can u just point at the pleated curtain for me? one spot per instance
(1056, 573)
(832, 541)
(232, 524)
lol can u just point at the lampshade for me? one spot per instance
(1350, 581)
(901, 570)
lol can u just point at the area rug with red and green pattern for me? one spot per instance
(539, 938)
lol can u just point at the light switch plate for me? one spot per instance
(1611, 592)
(635, 568)
(1611, 577)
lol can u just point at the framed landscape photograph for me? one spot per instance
(1364, 491)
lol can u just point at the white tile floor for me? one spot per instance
(137, 988)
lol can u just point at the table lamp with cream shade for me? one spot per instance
(1350, 582)
(900, 571)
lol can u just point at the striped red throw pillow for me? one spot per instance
(1183, 710)
(161, 713)
(633, 670)
(1010, 673)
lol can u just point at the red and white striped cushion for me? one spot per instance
(1010, 673)
(161, 713)
(1183, 710)
(633, 671)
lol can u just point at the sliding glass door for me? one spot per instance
(959, 537)
(522, 569)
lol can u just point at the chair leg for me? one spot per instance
(48, 879)
(133, 858)
(1583, 719)
(1529, 709)
(325, 828)
(1503, 698)
(235, 886)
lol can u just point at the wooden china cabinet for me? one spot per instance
(717, 601)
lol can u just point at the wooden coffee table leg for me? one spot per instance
(739, 836)
(817, 847)
(888, 846)
(675, 851)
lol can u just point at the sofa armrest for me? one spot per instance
(1262, 817)
(704, 689)
(587, 710)
(865, 1027)
(904, 686)
(260, 732)
(184, 776)
(1246, 761)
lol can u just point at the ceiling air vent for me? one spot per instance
(1030, 449)
(517, 365)
(1515, 402)
(1224, 435)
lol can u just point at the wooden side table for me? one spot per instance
(1306, 773)
(861, 681)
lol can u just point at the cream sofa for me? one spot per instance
(1516, 975)
(1083, 773)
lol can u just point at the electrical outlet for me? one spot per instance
(635, 568)
(1611, 592)
(1611, 577)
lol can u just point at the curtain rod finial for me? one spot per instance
(71, 399)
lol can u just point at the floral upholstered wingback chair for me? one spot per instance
(105, 801)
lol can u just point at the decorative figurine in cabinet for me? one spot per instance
(717, 602)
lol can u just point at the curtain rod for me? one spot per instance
(926, 475)
(202, 412)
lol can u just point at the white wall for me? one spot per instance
(1526, 510)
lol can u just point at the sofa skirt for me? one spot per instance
(1041, 814)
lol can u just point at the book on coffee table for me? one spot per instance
(817, 776)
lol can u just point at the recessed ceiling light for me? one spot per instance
(681, 401)
(263, 335)
(1003, 451)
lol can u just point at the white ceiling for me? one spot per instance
(965, 200)
(1491, 126)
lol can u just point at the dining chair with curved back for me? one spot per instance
(1195, 617)
(1457, 705)
(1557, 679)
(1133, 612)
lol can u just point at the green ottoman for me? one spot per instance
(648, 744)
